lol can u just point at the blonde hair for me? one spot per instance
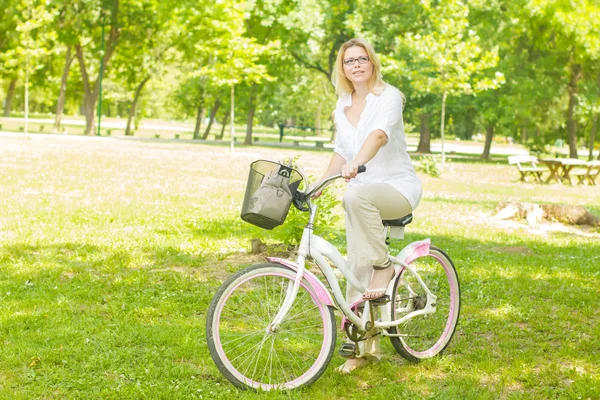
(342, 84)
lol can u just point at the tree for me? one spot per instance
(9, 39)
(23, 49)
(315, 34)
(572, 42)
(92, 41)
(144, 49)
(449, 57)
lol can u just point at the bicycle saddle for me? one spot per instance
(398, 222)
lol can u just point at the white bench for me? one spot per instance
(527, 166)
(317, 140)
(589, 173)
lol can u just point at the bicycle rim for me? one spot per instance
(427, 335)
(239, 341)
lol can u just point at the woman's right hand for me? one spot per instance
(350, 170)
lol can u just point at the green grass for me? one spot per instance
(111, 250)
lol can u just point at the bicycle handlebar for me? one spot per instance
(324, 182)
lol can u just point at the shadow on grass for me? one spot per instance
(525, 304)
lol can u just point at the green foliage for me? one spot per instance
(290, 232)
(429, 165)
(506, 65)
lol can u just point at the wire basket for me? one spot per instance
(269, 193)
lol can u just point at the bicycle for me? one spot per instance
(272, 325)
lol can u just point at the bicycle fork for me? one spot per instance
(292, 291)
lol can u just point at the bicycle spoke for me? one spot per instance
(249, 349)
(255, 356)
(423, 336)
(255, 333)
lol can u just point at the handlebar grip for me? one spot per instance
(361, 169)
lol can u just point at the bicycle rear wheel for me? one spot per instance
(251, 356)
(428, 335)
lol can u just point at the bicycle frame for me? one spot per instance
(317, 248)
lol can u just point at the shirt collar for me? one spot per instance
(347, 99)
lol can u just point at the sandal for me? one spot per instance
(378, 290)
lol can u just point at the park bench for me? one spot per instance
(527, 166)
(588, 174)
(317, 140)
(265, 136)
(304, 134)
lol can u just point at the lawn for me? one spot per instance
(111, 250)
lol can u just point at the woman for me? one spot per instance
(370, 131)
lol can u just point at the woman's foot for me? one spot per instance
(351, 364)
(379, 282)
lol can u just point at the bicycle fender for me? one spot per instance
(414, 250)
(318, 286)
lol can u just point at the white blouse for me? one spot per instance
(391, 164)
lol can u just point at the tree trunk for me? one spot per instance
(225, 119)
(470, 123)
(136, 97)
(523, 135)
(593, 137)
(60, 106)
(318, 119)
(489, 134)
(89, 109)
(213, 113)
(571, 122)
(251, 111)
(9, 96)
(442, 127)
(199, 117)
(91, 94)
(425, 134)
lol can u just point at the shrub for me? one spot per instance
(108, 132)
(290, 232)
(21, 129)
(41, 128)
(428, 165)
(177, 136)
(157, 136)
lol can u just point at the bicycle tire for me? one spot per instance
(427, 335)
(241, 311)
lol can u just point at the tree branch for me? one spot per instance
(308, 65)
(84, 74)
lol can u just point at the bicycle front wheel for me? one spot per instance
(428, 335)
(244, 348)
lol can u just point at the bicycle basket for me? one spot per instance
(269, 193)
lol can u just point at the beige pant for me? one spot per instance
(365, 207)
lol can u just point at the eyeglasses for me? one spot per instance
(351, 61)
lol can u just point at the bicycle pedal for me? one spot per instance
(380, 300)
(348, 350)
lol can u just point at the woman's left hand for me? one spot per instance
(350, 170)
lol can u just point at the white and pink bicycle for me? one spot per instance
(272, 325)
